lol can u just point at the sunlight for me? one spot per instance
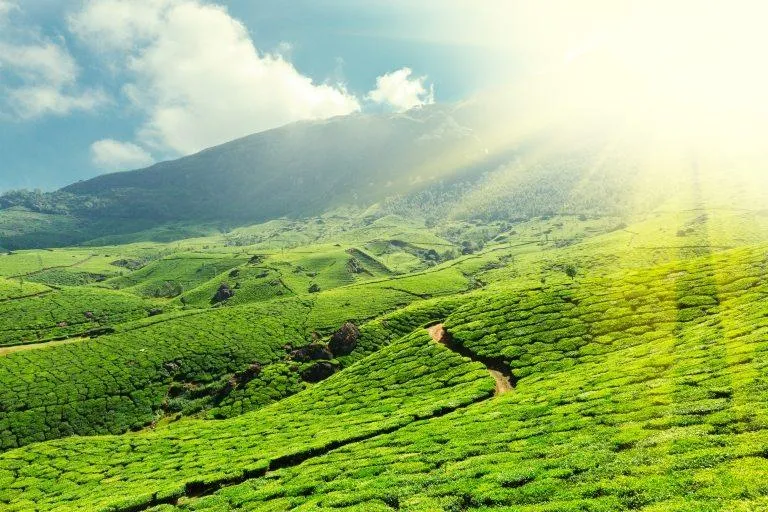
(689, 70)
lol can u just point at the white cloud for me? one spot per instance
(35, 101)
(119, 25)
(38, 77)
(43, 62)
(196, 74)
(114, 155)
(402, 92)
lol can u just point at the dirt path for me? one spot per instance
(440, 335)
(503, 384)
(437, 332)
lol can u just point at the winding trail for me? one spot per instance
(194, 489)
(502, 376)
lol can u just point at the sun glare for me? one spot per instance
(689, 67)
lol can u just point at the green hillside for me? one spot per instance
(636, 386)
(572, 330)
(438, 162)
(383, 256)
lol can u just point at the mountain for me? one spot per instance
(302, 169)
(481, 159)
(438, 161)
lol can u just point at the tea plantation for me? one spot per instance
(16, 289)
(264, 370)
(644, 392)
(66, 312)
(409, 380)
(121, 381)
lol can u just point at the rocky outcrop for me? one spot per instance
(344, 340)
(354, 266)
(318, 371)
(242, 378)
(223, 293)
(311, 352)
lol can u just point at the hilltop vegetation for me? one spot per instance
(215, 353)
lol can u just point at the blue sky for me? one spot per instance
(95, 86)
(102, 112)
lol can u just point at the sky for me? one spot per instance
(95, 86)
(88, 87)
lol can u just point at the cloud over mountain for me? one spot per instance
(194, 72)
(115, 155)
(402, 92)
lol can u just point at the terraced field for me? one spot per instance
(565, 365)
(407, 381)
(649, 398)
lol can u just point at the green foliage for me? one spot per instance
(334, 307)
(250, 284)
(638, 358)
(66, 312)
(412, 378)
(171, 276)
(119, 382)
(66, 277)
(625, 404)
(20, 288)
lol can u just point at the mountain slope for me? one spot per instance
(302, 169)
(438, 161)
(298, 170)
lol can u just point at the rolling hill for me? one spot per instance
(425, 320)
